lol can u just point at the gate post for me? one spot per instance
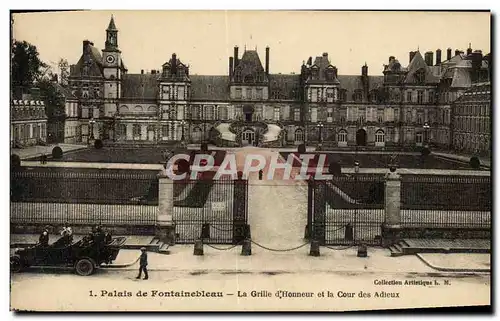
(319, 208)
(392, 223)
(165, 227)
(240, 194)
(310, 209)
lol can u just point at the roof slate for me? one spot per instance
(140, 86)
(209, 87)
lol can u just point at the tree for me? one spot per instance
(26, 66)
(53, 99)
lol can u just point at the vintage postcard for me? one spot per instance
(250, 160)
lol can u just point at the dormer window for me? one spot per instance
(420, 76)
(329, 74)
(237, 76)
(314, 72)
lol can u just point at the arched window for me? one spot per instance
(151, 108)
(249, 79)
(138, 108)
(379, 137)
(299, 135)
(342, 136)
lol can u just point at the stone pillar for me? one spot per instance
(392, 224)
(165, 227)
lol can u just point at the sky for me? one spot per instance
(205, 39)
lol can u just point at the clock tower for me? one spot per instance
(113, 70)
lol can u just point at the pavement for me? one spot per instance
(36, 151)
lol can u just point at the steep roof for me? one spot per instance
(351, 83)
(111, 25)
(416, 64)
(94, 64)
(322, 64)
(209, 87)
(287, 86)
(140, 86)
(250, 61)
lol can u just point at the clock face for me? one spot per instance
(110, 59)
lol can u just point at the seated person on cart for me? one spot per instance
(67, 234)
(43, 240)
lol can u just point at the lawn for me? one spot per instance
(382, 161)
(140, 155)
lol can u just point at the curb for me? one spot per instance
(445, 269)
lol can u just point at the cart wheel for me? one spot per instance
(84, 267)
(15, 264)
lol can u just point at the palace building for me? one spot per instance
(405, 106)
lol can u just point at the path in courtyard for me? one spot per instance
(277, 208)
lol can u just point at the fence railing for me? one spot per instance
(446, 201)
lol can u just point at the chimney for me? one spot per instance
(173, 64)
(364, 70)
(86, 44)
(457, 52)
(142, 71)
(391, 58)
(469, 50)
(335, 71)
(235, 57)
(438, 57)
(153, 71)
(91, 43)
(448, 54)
(429, 58)
(325, 54)
(476, 59)
(231, 67)
(267, 60)
(412, 54)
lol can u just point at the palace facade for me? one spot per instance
(405, 106)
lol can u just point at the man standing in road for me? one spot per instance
(143, 263)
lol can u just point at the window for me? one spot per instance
(408, 96)
(396, 114)
(209, 112)
(180, 93)
(276, 113)
(419, 138)
(223, 112)
(314, 95)
(249, 79)
(431, 97)
(420, 76)
(408, 116)
(122, 130)
(165, 131)
(296, 115)
(136, 130)
(420, 118)
(195, 112)
(362, 115)
(342, 136)
(329, 94)
(380, 116)
(237, 93)
(237, 76)
(420, 97)
(299, 135)
(379, 136)
(259, 95)
(85, 112)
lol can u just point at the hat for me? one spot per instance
(143, 248)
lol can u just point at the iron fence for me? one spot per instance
(347, 210)
(446, 201)
(221, 205)
(115, 198)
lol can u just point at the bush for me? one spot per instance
(301, 149)
(98, 144)
(335, 169)
(15, 162)
(57, 152)
(426, 152)
(474, 162)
